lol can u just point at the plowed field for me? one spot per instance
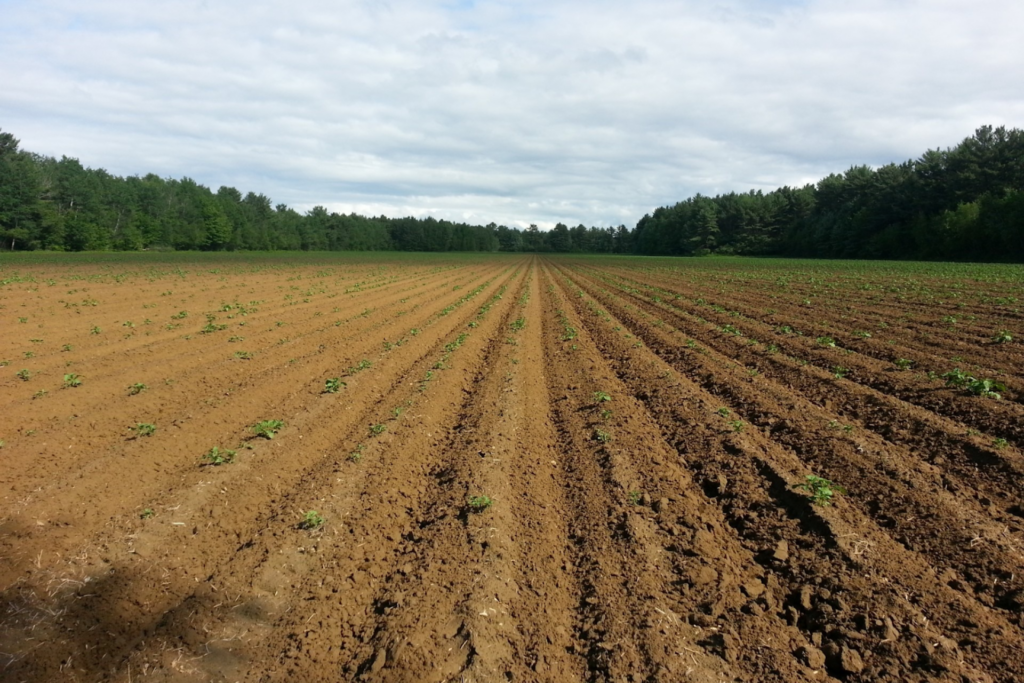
(509, 468)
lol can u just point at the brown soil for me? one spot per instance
(643, 519)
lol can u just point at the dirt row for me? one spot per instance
(525, 469)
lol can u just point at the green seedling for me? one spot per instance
(602, 436)
(243, 355)
(357, 454)
(137, 388)
(737, 425)
(95, 330)
(236, 338)
(361, 365)
(333, 385)
(1002, 337)
(518, 324)
(480, 503)
(862, 334)
(826, 342)
(216, 456)
(956, 378)
(1000, 443)
(378, 429)
(987, 388)
(67, 347)
(839, 371)
(147, 513)
(29, 354)
(606, 414)
(144, 429)
(312, 521)
(602, 397)
(72, 380)
(267, 428)
(903, 363)
(634, 497)
(723, 411)
(24, 375)
(181, 315)
(820, 491)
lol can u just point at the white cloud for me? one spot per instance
(523, 112)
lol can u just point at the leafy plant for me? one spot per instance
(987, 388)
(144, 429)
(357, 453)
(67, 347)
(1000, 443)
(602, 436)
(827, 342)
(147, 513)
(723, 411)
(602, 397)
(333, 385)
(737, 425)
(862, 334)
(1002, 337)
(634, 497)
(243, 355)
(312, 520)
(216, 456)
(480, 503)
(518, 324)
(378, 429)
(820, 490)
(72, 380)
(24, 375)
(267, 428)
(903, 363)
(956, 378)
(95, 330)
(839, 371)
(137, 388)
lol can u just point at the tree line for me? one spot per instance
(962, 203)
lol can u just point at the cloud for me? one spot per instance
(518, 112)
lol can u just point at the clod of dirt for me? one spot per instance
(661, 505)
(781, 551)
(703, 576)
(812, 656)
(850, 661)
(704, 544)
(804, 598)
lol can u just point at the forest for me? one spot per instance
(964, 203)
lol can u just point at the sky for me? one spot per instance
(517, 112)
